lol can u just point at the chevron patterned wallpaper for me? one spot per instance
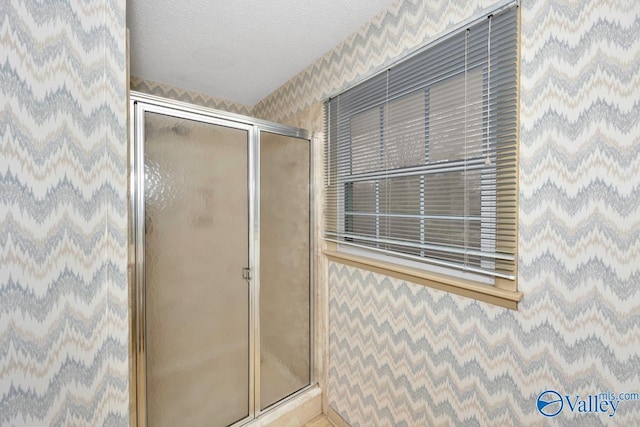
(406, 355)
(63, 213)
(406, 25)
(160, 89)
(400, 354)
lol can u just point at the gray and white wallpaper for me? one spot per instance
(63, 213)
(399, 353)
(166, 91)
(406, 355)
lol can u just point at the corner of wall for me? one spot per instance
(63, 301)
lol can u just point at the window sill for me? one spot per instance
(486, 293)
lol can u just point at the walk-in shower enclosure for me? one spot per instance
(221, 247)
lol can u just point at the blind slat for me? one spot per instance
(421, 160)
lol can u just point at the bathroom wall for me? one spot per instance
(63, 213)
(403, 354)
(160, 89)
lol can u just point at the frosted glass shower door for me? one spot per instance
(196, 246)
(285, 327)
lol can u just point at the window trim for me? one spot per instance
(429, 267)
(494, 294)
(504, 292)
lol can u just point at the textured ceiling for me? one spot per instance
(239, 50)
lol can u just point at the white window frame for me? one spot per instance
(488, 193)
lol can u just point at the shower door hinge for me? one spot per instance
(246, 273)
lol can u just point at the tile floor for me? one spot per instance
(319, 421)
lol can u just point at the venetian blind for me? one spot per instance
(421, 159)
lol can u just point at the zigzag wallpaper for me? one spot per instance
(166, 91)
(406, 355)
(399, 353)
(392, 34)
(63, 213)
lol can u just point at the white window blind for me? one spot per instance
(421, 160)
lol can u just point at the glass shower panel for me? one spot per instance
(197, 319)
(284, 267)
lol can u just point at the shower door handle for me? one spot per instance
(246, 273)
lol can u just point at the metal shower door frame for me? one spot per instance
(140, 104)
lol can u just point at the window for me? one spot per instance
(421, 159)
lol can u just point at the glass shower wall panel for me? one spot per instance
(284, 267)
(197, 319)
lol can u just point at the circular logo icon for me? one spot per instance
(550, 403)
